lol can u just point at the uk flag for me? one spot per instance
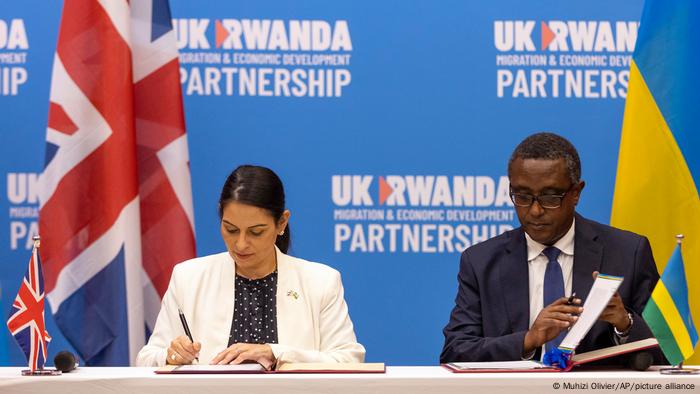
(26, 320)
(115, 201)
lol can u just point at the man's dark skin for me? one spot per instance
(540, 177)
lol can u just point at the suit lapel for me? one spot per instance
(289, 300)
(588, 257)
(225, 300)
(515, 283)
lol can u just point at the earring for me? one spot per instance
(281, 233)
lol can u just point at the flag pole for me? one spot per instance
(679, 369)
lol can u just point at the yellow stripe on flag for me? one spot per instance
(655, 194)
(673, 319)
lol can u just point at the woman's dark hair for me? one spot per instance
(259, 187)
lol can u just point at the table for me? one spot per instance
(96, 380)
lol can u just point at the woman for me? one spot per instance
(253, 303)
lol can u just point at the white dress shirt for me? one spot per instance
(537, 265)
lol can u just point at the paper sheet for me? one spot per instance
(508, 365)
(221, 368)
(332, 367)
(604, 287)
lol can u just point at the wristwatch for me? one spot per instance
(627, 331)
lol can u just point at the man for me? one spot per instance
(513, 289)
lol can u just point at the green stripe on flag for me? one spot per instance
(655, 320)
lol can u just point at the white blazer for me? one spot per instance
(313, 324)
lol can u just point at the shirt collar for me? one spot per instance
(565, 244)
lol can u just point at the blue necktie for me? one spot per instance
(553, 288)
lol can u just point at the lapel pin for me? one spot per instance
(292, 293)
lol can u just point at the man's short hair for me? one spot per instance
(549, 146)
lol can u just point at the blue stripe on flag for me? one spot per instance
(94, 318)
(673, 278)
(160, 19)
(51, 150)
(4, 356)
(147, 331)
(668, 57)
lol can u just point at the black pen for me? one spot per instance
(570, 300)
(186, 327)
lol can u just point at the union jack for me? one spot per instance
(116, 205)
(26, 320)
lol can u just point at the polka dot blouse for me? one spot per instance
(255, 310)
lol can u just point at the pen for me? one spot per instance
(186, 327)
(570, 301)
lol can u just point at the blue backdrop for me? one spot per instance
(389, 122)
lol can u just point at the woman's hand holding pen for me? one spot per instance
(182, 351)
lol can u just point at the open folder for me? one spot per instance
(536, 366)
(284, 368)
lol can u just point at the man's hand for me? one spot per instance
(182, 351)
(553, 319)
(240, 352)
(615, 312)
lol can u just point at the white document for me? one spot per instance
(252, 367)
(602, 291)
(507, 365)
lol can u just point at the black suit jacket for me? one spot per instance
(491, 315)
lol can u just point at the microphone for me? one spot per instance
(640, 361)
(65, 361)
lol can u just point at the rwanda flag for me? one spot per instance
(668, 314)
(658, 169)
